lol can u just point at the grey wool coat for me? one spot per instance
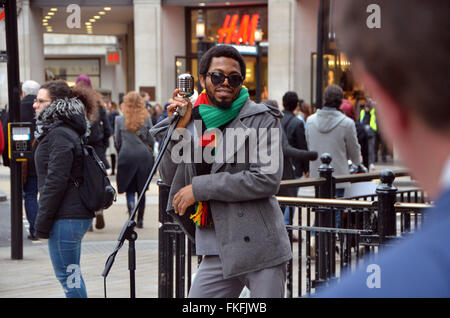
(248, 221)
(135, 159)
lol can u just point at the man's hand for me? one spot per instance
(183, 199)
(181, 103)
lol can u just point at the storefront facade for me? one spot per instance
(157, 40)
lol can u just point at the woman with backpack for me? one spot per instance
(62, 120)
(100, 131)
(134, 145)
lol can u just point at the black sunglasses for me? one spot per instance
(218, 78)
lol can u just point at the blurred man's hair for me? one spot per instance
(290, 101)
(408, 54)
(332, 96)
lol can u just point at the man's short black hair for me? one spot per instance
(290, 101)
(221, 51)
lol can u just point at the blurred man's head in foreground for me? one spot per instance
(404, 64)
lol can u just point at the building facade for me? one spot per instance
(143, 44)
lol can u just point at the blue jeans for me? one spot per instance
(288, 214)
(30, 192)
(339, 194)
(130, 195)
(64, 246)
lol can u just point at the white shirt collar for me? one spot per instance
(445, 176)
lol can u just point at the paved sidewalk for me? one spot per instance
(33, 276)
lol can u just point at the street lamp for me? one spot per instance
(200, 30)
(258, 39)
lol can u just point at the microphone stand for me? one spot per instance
(128, 232)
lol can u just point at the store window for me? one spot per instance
(235, 26)
(70, 69)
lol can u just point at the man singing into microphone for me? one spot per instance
(239, 227)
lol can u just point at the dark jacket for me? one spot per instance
(4, 120)
(58, 159)
(291, 154)
(27, 114)
(295, 133)
(101, 130)
(135, 159)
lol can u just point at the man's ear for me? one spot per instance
(202, 82)
(393, 118)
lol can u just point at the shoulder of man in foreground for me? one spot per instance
(419, 266)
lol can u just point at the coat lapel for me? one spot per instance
(237, 127)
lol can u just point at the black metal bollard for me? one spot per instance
(387, 195)
(165, 244)
(324, 247)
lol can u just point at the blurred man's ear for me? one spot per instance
(393, 118)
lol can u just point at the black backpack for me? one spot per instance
(96, 191)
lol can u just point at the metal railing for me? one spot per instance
(333, 234)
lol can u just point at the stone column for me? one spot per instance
(305, 44)
(281, 47)
(31, 46)
(147, 45)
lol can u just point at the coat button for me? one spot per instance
(240, 214)
(247, 239)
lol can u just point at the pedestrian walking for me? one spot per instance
(290, 154)
(62, 218)
(100, 131)
(113, 112)
(30, 183)
(134, 145)
(369, 122)
(330, 131)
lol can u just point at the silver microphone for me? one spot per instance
(185, 85)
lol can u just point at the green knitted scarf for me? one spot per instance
(215, 117)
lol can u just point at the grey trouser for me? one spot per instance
(209, 281)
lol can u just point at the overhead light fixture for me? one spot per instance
(54, 9)
(107, 8)
(51, 13)
(200, 26)
(102, 12)
(44, 20)
(47, 17)
(201, 4)
(92, 20)
(259, 32)
(96, 17)
(88, 23)
(45, 23)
